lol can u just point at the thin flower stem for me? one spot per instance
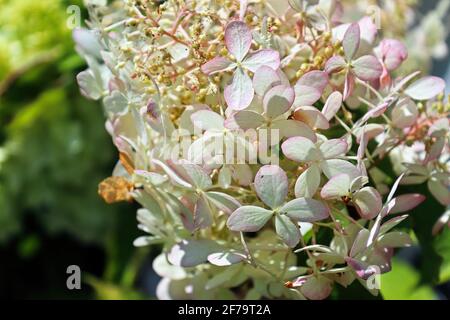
(115, 25)
(372, 89)
(247, 250)
(337, 270)
(342, 123)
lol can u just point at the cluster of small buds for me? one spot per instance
(251, 133)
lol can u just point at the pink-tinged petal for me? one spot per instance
(264, 57)
(439, 190)
(278, 100)
(223, 201)
(306, 210)
(293, 128)
(381, 257)
(306, 96)
(436, 149)
(349, 85)
(351, 41)
(238, 39)
(426, 88)
(336, 187)
(312, 117)
(394, 188)
(242, 174)
(359, 245)
(202, 214)
(332, 105)
(385, 79)
(406, 202)
(393, 53)
(245, 119)
(363, 270)
(401, 83)
(368, 202)
(361, 153)
(333, 148)
(367, 68)
(314, 79)
(405, 113)
(243, 4)
(368, 29)
(333, 167)
(392, 223)
(264, 79)
(395, 239)
(375, 112)
(300, 149)
(335, 64)
(194, 174)
(287, 230)
(239, 94)
(308, 182)
(370, 130)
(271, 184)
(186, 212)
(218, 64)
(207, 120)
(175, 176)
(439, 127)
(317, 288)
(249, 219)
(440, 224)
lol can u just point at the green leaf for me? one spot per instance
(403, 283)
(442, 245)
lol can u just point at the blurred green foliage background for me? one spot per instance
(54, 150)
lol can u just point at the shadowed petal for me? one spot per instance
(351, 41)
(300, 149)
(336, 187)
(312, 117)
(367, 68)
(306, 210)
(278, 100)
(271, 184)
(368, 202)
(335, 64)
(248, 219)
(287, 230)
(264, 79)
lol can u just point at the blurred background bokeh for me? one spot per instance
(54, 151)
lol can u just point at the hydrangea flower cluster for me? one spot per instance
(251, 133)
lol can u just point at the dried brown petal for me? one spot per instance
(115, 189)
